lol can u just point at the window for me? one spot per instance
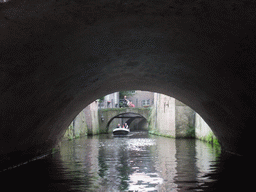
(145, 102)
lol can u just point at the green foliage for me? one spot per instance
(69, 132)
(154, 132)
(215, 141)
(54, 150)
(101, 99)
(112, 109)
(190, 131)
(123, 93)
(210, 138)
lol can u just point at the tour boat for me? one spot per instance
(121, 131)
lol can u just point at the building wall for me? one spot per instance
(77, 127)
(85, 123)
(171, 118)
(163, 116)
(184, 120)
(110, 101)
(91, 118)
(139, 96)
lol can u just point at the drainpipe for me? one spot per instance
(156, 109)
(74, 127)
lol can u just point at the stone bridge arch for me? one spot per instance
(59, 56)
(107, 115)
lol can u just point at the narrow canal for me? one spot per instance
(141, 162)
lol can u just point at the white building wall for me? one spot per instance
(110, 101)
(139, 96)
(165, 115)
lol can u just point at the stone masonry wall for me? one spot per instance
(92, 119)
(85, 123)
(203, 131)
(77, 127)
(163, 116)
(171, 118)
(184, 120)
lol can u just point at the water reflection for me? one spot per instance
(141, 163)
(138, 163)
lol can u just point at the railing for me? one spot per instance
(107, 104)
(121, 104)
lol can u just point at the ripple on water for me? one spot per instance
(138, 163)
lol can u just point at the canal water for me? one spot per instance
(141, 162)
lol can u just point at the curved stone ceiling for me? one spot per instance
(57, 57)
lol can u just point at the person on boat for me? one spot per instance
(118, 125)
(126, 126)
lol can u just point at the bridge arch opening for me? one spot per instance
(135, 121)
